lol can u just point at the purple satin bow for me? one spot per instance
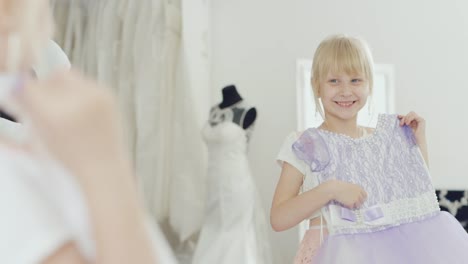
(368, 215)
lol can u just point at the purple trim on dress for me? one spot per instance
(369, 215)
(409, 135)
(312, 149)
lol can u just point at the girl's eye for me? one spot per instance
(356, 80)
(333, 81)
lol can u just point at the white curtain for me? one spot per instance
(134, 46)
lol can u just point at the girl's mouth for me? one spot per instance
(345, 104)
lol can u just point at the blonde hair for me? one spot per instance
(340, 54)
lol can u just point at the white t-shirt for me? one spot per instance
(286, 154)
(51, 58)
(42, 208)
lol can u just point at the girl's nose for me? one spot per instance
(345, 90)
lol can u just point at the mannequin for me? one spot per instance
(235, 227)
(232, 108)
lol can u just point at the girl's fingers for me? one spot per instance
(409, 118)
(405, 122)
(402, 119)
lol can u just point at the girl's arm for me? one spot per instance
(423, 147)
(62, 107)
(117, 217)
(68, 253)
(288, 207)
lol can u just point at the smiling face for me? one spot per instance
(342, 76)
(343, 94)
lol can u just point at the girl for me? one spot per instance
(367, 190)
(73, 199)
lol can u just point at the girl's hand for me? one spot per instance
(417, 124)
(348, 194)
(75, 118)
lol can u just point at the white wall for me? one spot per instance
(256, 44)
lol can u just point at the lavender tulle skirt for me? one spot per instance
(437, 240)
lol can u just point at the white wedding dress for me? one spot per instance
(234, 229)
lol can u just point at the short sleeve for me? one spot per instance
(31, 229)
(51, 58)
(312, 149)
(286, 154)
